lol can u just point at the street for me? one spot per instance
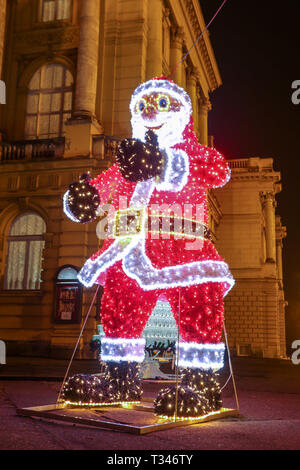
(268, 392)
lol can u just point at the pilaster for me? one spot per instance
(191, 85)
(268, 204)
(83, 123)
(204, 108)
(154, 48)
(176, 54)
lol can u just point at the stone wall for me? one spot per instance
(246, 238)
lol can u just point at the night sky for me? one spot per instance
(257, 48)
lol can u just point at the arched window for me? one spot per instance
(68, 273)
(24, 252)
(49, 102)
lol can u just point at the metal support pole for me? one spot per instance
(231, 371)
(177, 358)
(76, 346)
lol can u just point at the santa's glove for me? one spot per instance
(82, 200)
(140, 161)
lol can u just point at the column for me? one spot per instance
(191, 87)
(268, 201)
(176, 54)
(280, 235)
(204, 107)
(2, 42)
(87, 62)
(154, 47)
(279, 258)
(2, 31)
(83, 124)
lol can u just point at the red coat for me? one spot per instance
(207, 169)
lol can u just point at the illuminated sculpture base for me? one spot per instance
(130, 418)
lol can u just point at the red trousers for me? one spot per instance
(126, 308)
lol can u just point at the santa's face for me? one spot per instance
(163, 114)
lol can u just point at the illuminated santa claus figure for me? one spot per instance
(160, 247)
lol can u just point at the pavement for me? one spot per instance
(268, 394)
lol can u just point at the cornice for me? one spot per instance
(254, 176)
(203, 45)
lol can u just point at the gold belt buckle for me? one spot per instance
(128, 222)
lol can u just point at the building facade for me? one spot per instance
(70, 67)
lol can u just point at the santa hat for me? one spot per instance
(161, 85)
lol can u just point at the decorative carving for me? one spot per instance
(177, 37)
(32, 182)
(267, 197)
(192, 74)
(54, 181)
(166, 12)
(13, 183)
(23, 203)
(204, 104)
(46, 37)
(201, 44)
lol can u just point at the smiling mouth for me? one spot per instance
(154, 128)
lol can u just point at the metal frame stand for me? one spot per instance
(83, 417)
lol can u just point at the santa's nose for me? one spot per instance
(149, 112)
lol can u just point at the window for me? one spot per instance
(67, 273)
(68, 292)
(49, 102)
(24, 252)
(55, 10)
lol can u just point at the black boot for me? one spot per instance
(124, 381)
(119, 383)
(198, 394)
(190, 403)
(86, 389)
(206, 382)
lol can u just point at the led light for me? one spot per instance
(200, 356)
(123, 349)
(192, 418)
(66, 207)
(138, 266)
(176, 171)
(91, 404)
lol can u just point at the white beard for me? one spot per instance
(173, 125)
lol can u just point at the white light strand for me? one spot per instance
(123, 349)
(92, 269)
(200, 356)
(176, 171)
(66, 208)
(138, 266)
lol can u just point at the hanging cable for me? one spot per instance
(198, 38)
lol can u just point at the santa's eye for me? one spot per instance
(164, 103)
(141, 106)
